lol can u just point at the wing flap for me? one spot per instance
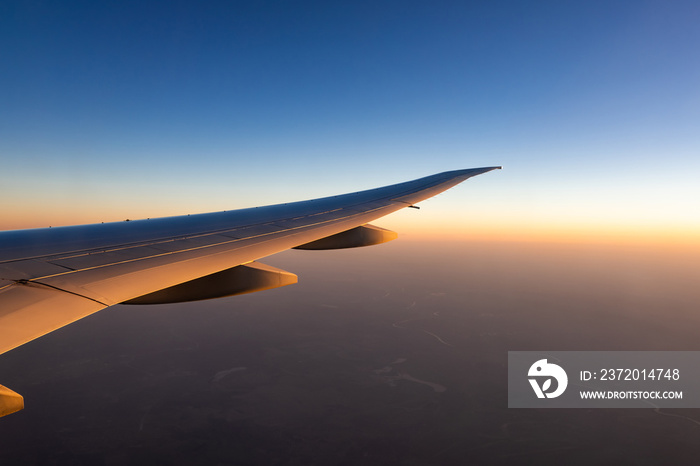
(30, 268)
(30, 310)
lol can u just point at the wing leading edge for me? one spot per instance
(52, 277)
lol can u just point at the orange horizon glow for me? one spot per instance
(417, 230)
(559, 234)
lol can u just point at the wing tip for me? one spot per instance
(469, 172)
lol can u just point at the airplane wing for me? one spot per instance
(51, 277)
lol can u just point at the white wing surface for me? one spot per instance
(54, 276)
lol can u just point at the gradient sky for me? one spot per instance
(114, 110)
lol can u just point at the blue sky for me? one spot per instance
(111, 110)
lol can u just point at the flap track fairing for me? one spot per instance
(10, 402)
(364, 235)
(241, 279)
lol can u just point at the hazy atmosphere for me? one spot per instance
(390, 354)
